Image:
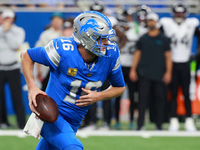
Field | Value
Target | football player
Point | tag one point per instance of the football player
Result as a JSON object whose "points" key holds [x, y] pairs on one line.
{"points": [[121, 40], [99, 6], [79, 65], [133, 33], [181, 31], [141, 13]]}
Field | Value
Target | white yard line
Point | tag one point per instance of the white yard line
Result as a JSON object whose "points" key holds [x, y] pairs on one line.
{"points": [[144, 134], [85, 134]]}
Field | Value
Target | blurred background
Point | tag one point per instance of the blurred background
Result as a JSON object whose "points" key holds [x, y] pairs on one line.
{"points": [[37, 17]]}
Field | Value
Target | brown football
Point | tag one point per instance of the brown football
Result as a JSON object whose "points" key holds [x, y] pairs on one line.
{"points": [[47, 109]]}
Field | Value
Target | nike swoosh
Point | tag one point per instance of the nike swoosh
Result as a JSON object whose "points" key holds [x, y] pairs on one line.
{"points": [[57, 46]]}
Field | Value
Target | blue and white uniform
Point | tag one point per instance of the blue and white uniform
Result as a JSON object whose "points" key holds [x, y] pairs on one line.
{"points": [[68, 74]]}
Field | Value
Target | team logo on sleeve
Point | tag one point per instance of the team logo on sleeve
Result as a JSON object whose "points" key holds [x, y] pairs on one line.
{"points": [[90, 24], [72, 71]]}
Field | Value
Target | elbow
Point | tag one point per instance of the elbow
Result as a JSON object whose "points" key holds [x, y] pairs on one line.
{"points": [[25, 57], [22, 55], [122, 90]]}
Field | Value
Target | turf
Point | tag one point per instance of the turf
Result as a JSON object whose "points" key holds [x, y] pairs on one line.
{"points": [[111, 143], [138, 143]]}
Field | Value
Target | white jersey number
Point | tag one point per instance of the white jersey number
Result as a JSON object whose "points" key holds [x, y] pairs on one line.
{"points": [[67, 46], [184, 40], [76, 84]]}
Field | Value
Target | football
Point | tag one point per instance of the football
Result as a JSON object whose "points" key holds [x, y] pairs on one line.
{"points": [[47, 109]]}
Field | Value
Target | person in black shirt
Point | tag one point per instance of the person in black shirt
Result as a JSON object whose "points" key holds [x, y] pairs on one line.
{"points": [[152, 65]]}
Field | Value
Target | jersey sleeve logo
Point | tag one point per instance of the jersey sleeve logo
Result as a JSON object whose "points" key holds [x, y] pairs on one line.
{"points": [[57, 45], [52, 53], [72, 71]]}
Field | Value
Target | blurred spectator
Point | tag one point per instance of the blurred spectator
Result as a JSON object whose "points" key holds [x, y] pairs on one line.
{"points": [[121, 38], [4, 121], [68, 28], [152, 59], [181, 31], [133, 34], [141, 14], [90, 120], [106, 109], [1, 19], [54, 31], [99, 6], [30, 6], [11, 38]]}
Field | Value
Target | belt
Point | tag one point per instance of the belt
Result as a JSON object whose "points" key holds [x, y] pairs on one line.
{"points": [[11, 64]]}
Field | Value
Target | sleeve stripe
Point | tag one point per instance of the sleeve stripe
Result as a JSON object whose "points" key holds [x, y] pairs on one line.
{"points": [[52, 53], [118, 63]]}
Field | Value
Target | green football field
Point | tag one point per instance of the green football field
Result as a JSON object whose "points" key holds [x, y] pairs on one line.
{"points": [[111, 143], [123, 139]]}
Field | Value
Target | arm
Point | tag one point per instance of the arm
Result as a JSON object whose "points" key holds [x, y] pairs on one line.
{"points": [[27, 67], [39, 55], [116, 80], [168, 73], [122, 37], [93, 96], [197, 33], [136, 58]]}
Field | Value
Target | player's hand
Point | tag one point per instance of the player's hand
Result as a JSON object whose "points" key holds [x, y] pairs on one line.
{"points": [[88, 99], [133, 75], [167, 78], [32, 95]]}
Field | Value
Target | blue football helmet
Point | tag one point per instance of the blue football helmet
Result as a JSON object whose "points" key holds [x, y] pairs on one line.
{"points": [[91, 26]]}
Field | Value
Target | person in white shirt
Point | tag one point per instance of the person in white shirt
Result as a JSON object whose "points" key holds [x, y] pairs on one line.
{"points": [[181, 31], [11, 38]]}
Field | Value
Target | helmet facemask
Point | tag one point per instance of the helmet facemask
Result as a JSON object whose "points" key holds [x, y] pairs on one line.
{"points": [[98, 42]]}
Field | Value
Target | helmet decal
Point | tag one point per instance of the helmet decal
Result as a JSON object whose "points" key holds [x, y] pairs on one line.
{"points": [[90, 28], [90, 24]]}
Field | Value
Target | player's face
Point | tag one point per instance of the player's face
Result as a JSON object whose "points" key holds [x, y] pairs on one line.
{"points": [[151, 24], [8, 19], [57, 22], [179, 15], [129, 18], [103, 41]]}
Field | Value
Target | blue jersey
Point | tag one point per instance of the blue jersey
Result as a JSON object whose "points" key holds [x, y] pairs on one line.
{"points": [[69, 73]]}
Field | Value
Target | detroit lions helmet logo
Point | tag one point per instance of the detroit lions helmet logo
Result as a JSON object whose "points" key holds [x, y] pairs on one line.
{"points": [[90, 24]]}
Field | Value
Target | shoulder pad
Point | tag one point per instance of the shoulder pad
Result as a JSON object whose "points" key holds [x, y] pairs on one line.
{"points": [[193, 21]]}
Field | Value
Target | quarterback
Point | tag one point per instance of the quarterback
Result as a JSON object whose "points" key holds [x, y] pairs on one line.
{"points": [[78, 65]]}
